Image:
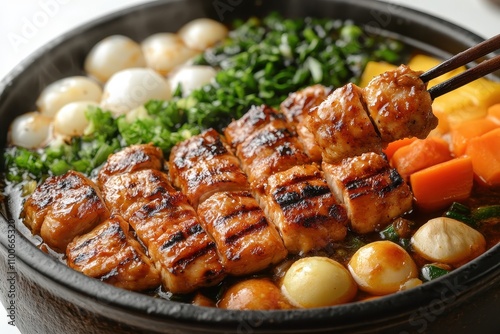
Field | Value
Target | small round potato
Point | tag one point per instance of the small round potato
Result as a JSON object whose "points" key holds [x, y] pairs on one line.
{"points": [[165, 51], [113, 54], [31, 130], [254, 294], [67, 90], [202, 33], [70, 120], [382, 267], [131, 88], [318, 281], [448, 241], [192, 77]]}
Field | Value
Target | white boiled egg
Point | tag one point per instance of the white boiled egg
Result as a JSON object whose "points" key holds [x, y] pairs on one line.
{"points": [[63, 91], [192, 77], [131, 88], [70, 120], [31, 130], [202, 33]]}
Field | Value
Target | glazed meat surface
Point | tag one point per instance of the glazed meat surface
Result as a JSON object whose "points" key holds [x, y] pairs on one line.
{"points": [[177, 243], [372, 191], [126, 193], [301, 205], [399, 105], [203, 165], [296, 107], [111, 255], [130, 159], [257, 117], [274, 147], [342, 127], [245, 241], [63, 207]]}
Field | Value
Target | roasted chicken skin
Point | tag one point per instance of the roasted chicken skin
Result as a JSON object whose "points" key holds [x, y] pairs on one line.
{"points": [[399, 105], [297, 106], [306, 213], [203, 165], [130, 159], [177, 243], [271, 148], [254, 119], [373, 192], [110, 254], [342, 127], [63, 207], [245, 241]]}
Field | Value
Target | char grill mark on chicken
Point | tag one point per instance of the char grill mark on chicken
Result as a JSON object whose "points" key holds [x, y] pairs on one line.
{"points": [[372, 191], [245, 241], [165, 223], [64, 207], [203, 165], [268, 148], [110, 254], [301, 205], [296, 107], [131, 159]]}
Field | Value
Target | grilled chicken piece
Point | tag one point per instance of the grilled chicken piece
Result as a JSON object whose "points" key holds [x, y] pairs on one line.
{"points": [[63, 207], [297, 106], [342, 127], [399, 105], [301, 205], [130, 159], [111, 255], [203, 165], [126, 193], [272, 148], [245, 241], [177, 243], [372, 192], [253, 120]]}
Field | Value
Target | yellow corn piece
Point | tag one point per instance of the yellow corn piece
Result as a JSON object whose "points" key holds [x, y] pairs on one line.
{"points": [[465, 103], [372, 69]]}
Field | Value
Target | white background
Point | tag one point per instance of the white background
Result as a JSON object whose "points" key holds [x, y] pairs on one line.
{"points": [[26, 25]]}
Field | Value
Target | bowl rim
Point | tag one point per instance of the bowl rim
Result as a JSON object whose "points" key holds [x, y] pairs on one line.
{"points": [[83, 287]]}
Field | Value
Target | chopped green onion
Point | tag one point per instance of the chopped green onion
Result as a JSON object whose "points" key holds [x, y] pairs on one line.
{"points": [[430, 272]]}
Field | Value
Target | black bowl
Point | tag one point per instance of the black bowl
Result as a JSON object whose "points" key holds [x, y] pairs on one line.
{"points": [[42, 295]]}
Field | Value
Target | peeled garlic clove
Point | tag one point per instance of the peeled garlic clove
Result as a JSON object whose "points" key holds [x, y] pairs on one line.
{"points": [[448, 241], [202, 33], [30, 130], [111, 55], [67, 90], [165, 51], [318, 281], [382, 267]]}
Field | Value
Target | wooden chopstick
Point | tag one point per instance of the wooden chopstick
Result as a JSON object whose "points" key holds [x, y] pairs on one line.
{"points": [[463, 58], [465, 77]]}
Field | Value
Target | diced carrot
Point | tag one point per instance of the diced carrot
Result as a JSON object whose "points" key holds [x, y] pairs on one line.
{"points": [[494, 113], [485, 155], [420, 154], [462, 133], [396, 145], [438, 186]]}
